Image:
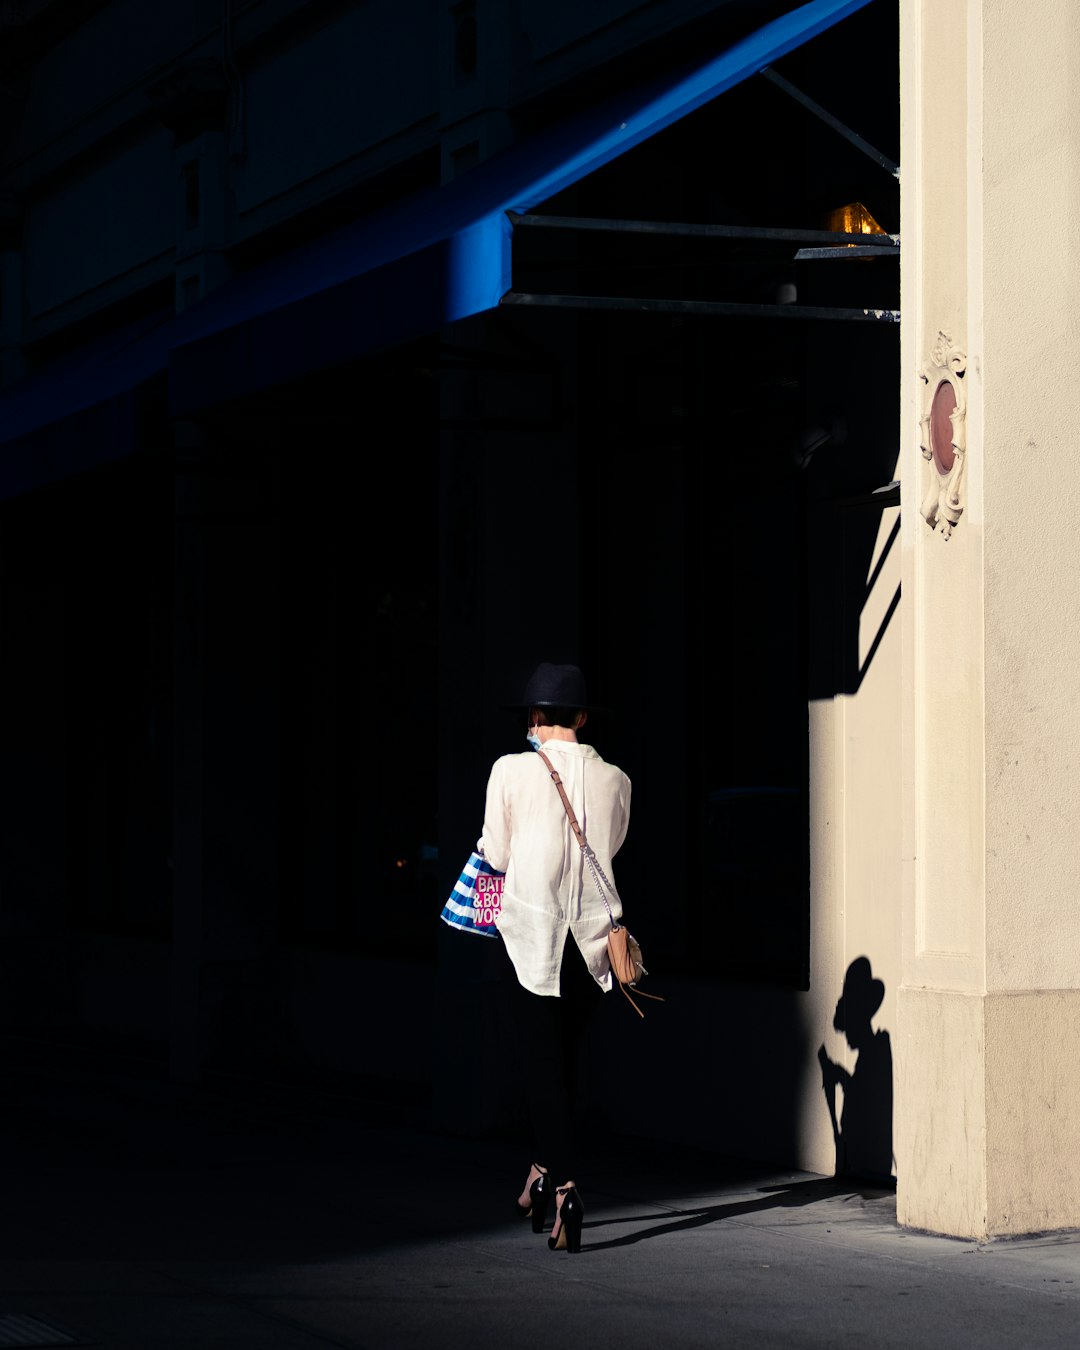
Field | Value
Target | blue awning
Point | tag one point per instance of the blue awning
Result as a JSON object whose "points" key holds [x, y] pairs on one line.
{"points": [[436, 257]]}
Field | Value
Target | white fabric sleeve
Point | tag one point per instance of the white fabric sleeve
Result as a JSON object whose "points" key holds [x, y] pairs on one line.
{"points": [[494, 841]]}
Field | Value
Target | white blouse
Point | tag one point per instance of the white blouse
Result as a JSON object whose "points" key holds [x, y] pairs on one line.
{"points": [[548, 890]]}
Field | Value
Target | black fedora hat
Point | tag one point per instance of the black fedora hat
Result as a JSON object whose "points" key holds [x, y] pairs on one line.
{"points": [[556, 686]]}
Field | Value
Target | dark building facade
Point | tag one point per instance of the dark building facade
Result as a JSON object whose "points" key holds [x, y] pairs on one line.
{"points": [[292, 501]]}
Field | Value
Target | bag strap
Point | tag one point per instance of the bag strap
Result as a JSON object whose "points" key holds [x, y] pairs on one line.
{"points": [[597, 872], [579, 834]]}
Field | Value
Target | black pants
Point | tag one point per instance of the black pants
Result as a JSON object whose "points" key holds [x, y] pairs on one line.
{"points": [[549, 1034]]}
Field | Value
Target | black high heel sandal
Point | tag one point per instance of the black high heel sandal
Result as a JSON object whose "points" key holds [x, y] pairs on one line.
{"points": [[539, 1199], [568, 1220]]}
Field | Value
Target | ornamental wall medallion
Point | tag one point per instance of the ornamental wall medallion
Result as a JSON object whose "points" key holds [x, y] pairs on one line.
{"points": [[943, 435]]}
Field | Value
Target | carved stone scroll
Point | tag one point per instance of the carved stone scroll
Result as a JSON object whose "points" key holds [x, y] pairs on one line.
{"points": [[943, 435]]}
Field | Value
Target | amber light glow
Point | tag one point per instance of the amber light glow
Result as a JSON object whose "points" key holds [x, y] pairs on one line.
{"points": [[853, 219]]}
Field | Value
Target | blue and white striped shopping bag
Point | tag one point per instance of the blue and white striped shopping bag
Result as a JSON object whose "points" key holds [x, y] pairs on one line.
{"points": [[476, 899]]}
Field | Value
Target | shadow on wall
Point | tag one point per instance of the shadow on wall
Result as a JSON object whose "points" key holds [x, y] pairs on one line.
{"points": [[862, 1130]]}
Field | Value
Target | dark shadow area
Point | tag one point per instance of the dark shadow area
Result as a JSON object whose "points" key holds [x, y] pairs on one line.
{"points": [[797, 1194], [862, 1129], [258, 666], [256, 1175]]}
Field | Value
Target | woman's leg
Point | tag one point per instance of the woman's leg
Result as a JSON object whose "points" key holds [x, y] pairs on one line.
{"points": [[550, 1034], [580, 998], [539, 1024]]}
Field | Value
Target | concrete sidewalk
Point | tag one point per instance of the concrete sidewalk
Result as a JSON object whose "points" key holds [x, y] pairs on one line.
{"points": [[140, 1217]]}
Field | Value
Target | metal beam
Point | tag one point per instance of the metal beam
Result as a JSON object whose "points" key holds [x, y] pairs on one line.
{"points": [[529, 220], [848, 251], [698, 307], [889, 495], [831, 121]]}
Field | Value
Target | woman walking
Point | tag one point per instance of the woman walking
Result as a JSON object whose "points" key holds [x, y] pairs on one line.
{"points": [[553, 923]]}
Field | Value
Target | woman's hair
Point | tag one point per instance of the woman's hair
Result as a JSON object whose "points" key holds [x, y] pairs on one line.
{"points": [[555, 717]]}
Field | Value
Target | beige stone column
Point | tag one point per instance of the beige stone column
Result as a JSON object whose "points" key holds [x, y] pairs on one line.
{"points": [[988, 1050]]}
